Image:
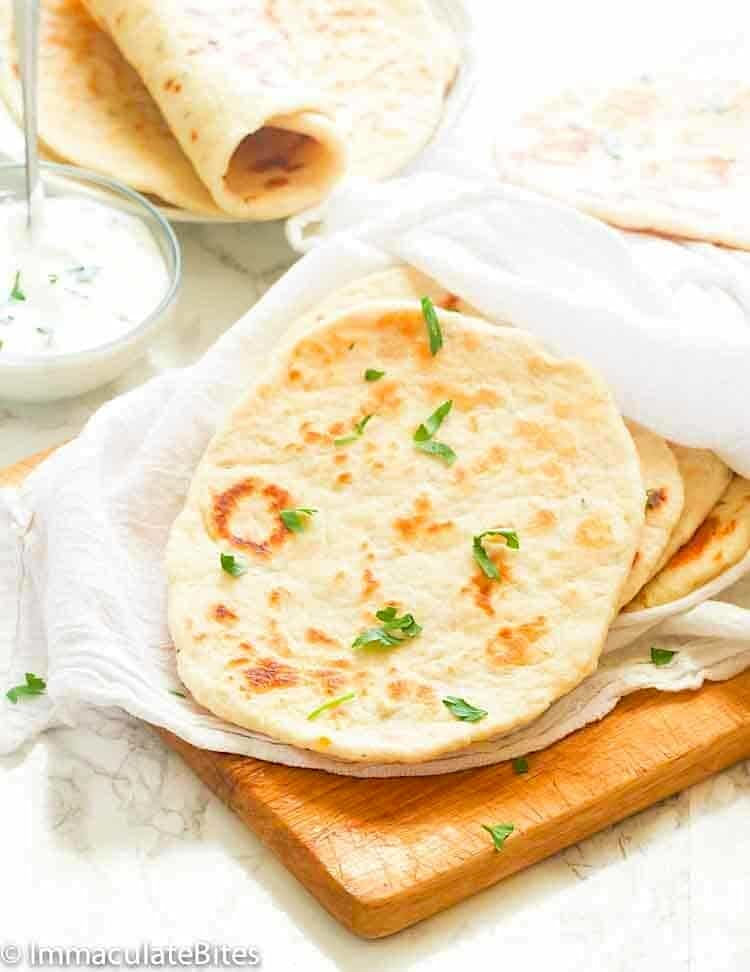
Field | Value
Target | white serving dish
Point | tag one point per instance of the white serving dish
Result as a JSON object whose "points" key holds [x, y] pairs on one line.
{"points": [[456, 14], [44, 377]]}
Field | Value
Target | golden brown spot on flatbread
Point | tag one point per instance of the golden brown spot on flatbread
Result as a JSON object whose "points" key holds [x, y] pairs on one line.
{"points": [[541, 367], [193, 136], [370, 584], [513, 645], [276, 596], [594, 531], [309, 434], [224, 505], [541, 522], [553, 470], [636, 557], [426, 694], [564, 410], [223, 614], [398, 689], [276, 639], [270, 674], [700, 540], [317, 637], [552, 438], [656, 498], [419, 526], [384, 399], [330, 681], [344, 479], [294, 374], [495, 457], [466, 401], [238, 662], [481, 588], [336, 429], [277, 182], [341, 458]]}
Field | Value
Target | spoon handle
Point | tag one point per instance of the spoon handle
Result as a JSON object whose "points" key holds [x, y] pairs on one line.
{"points": [[27, 34]]}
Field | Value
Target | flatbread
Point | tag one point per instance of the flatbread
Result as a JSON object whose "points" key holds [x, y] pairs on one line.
{"points": [[541, 448], [669, 155], [396, 283], [664, 498], [250, 110], [720, 542]]}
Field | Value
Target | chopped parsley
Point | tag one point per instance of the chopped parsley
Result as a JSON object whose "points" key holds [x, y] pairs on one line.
{"points": [[423, 436], [84, 274], [463, 710], [434, 333], [359, 429], [180, 695], [233, 564], [430, 426], [372, 374], [661, 656], [499, 833], [296, 520], [439, 449], [392, 632], [489, 568], [32, 686], [520, 765], [332, 704], [53, 278], [17, 292]]}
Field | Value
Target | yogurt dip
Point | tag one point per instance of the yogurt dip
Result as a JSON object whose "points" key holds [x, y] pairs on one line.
{"points": [[88, 274]]}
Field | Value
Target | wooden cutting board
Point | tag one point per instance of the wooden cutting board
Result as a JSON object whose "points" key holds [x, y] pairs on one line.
{"points": [[383, 854]]}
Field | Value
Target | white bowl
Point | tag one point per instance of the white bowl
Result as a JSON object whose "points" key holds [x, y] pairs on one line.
{"points": [[46, 377]]}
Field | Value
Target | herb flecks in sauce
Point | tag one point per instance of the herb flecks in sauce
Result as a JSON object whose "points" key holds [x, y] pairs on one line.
{"points": [[233, 564]]}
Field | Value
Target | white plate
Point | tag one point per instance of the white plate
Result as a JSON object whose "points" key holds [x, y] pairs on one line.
{"points": [[454, 13]]}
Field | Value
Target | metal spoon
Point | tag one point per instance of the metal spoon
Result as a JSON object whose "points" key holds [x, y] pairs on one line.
{"points": [[26, 16]]}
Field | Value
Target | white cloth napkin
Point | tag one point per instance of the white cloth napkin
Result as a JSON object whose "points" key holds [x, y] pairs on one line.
{"points": [[82, 541]]}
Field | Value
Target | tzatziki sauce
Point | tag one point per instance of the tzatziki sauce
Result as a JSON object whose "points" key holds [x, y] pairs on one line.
{"points": [[86, 275]]}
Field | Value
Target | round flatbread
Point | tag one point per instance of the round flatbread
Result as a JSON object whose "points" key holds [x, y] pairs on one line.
{"points": [[396, 283], [720, 542], [670, 155], [664, 498], [540, 449]]}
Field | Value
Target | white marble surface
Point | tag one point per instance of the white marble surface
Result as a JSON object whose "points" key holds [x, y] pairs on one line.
{"points": [[109, 839]]}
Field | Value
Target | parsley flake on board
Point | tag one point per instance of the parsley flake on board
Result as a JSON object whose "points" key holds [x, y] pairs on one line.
{"points": [[32, 686], [661, 656], [520, 765], [359, 429], [372, 374], [489, 569], [233, 564], [17, 293], [296, 520], [463, 710], [434, 332], [499, 833], [393, 631], [332, 704]]}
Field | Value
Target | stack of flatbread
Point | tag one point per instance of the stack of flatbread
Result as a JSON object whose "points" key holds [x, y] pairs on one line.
{"points": [[415, 530], [249, 110]]}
